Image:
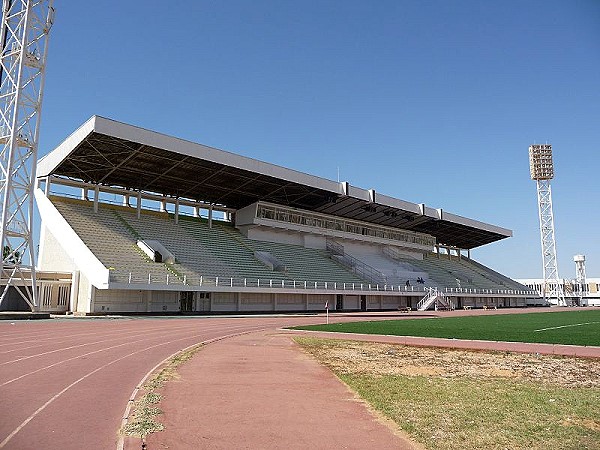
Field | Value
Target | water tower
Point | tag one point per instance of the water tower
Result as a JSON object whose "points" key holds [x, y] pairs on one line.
{"points": [[580, 273], [542, 171]]}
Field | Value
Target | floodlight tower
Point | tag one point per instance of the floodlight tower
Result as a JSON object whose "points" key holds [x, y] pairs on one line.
{"points": [[580, 273], [542, 171], [23, 47]]}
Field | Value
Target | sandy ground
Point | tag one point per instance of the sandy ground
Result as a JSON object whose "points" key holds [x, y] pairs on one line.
{"points": [[386, 359]]}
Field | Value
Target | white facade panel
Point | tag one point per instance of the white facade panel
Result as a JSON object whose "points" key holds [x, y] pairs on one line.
{"points": [[351, 302], [113, 301], [291, 302], [224, 301]]}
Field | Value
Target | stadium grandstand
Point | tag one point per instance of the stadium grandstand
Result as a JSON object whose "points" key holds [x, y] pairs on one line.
{"points": [[145, 222]]}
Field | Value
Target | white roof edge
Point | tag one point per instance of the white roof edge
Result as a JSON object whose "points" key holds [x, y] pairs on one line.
{"points": [[476, 224], [52, 160], [189, 148], [151, 138]]}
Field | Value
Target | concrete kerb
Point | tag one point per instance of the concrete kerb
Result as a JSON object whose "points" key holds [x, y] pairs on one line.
{"points": [[140, 385], [463, 344], [23, 315]]}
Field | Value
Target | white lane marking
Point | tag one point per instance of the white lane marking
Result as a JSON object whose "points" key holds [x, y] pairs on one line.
{"points": [[80, 356], [139, 332], [51, 335], [45, 405], [566, 326], [145, 333], [68, 338]]}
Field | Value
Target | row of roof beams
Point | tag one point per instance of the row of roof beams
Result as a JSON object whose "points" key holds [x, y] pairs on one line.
{"points": [[100, 136]]}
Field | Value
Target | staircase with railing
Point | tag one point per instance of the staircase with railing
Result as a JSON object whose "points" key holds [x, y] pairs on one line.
{"points": [[336, 252], [436, 298]]}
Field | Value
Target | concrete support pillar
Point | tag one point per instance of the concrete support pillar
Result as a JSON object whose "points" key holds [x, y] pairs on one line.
{"points": [[177, 210], [163, 206], [47, 187], [126, 200], [96, 198], [210, 213], [139, 205], [196, 211], [74, 291], [84, 194], [92, 307]]}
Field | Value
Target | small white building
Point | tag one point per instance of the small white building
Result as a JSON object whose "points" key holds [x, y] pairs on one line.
{"points": [[582, 294]]}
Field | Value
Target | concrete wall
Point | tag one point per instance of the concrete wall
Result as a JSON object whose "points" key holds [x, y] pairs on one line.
{"points": [[224, 301], [85, 295], [263, 301], [125, 300], [107, 301], [52, 256], [364, 248], [351, 302], [291, 302], [76, 255], [317, 302], [92, 300], [270, 235], [480, 302]]}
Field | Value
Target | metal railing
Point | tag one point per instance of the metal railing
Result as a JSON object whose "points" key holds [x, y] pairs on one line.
{"points": [[202, 282], [426, 301], [326, 222], [54, 296], [360, 268], [393, 253], [440, 299]]}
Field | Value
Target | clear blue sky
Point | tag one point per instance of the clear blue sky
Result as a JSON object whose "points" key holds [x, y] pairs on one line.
{"points": [[432, 102]]}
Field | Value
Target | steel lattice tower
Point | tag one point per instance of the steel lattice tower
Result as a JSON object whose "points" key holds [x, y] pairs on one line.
{"points": [[542, 171], [23, 48]]}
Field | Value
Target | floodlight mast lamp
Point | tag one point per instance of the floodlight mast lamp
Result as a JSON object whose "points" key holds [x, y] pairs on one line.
{"points": [[23, 48], [542, 171]]}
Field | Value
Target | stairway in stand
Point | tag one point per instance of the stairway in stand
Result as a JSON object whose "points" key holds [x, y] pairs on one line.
{"points": [[436, 298]]}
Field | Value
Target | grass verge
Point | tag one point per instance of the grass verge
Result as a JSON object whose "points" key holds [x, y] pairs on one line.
{"points": [[580, 327], [448, 399], [145, 411]]}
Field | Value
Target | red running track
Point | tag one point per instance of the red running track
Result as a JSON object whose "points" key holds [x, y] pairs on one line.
{"points": [[65, 383]]}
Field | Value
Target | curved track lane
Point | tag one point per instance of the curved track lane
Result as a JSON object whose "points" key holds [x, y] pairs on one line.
{"points": [[64, 384]]}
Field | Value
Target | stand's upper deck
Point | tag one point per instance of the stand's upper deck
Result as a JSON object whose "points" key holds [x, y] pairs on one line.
{"points": [[106, 152]]}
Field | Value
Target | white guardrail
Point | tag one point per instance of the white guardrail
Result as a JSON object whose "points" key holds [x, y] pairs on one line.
{"points": [[207, 282]]}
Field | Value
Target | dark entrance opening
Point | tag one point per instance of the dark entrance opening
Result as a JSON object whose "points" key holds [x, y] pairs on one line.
{"points": [[186, 301], [339, 302], [363, 302]]}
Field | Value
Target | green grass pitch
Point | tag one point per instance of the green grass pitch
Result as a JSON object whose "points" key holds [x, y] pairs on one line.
{"points": [[565, 327]]}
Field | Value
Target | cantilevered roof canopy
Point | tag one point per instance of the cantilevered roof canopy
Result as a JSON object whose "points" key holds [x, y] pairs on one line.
{"points": [[111, 153]]}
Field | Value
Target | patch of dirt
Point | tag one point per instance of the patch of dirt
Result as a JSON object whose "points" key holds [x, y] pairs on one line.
{"points": [[593, 425], [387, 359]]}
